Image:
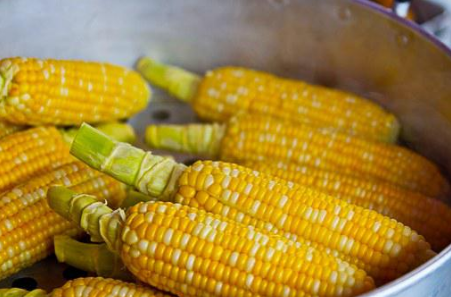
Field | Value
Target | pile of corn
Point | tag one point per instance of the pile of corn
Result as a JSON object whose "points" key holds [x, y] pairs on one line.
{"points": [[43, 102], [305, 193]]}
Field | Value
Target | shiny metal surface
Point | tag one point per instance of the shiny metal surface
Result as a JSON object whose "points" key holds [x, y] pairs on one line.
{"points": [[401, 7], [340, 43]]}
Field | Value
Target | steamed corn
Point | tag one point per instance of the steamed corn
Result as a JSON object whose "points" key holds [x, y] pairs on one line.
{"points": [[224, 92], [383, 247], [189, 252], [27, 224], [429, 217], [89, 287], [58, 92], [264, 139]]}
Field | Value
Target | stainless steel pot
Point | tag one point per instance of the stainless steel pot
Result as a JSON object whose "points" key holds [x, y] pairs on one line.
{"points": [[345, 44]]}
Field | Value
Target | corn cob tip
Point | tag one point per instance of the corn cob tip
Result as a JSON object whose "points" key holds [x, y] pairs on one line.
{"points": [[178, 82], [204, 139], [126, 163], [15, 292]]}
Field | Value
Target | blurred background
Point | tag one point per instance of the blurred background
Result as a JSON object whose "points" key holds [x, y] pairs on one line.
{"points": [[432, 15]]}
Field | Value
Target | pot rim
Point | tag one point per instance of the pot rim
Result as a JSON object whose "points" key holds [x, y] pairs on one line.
{"points": [[444, 256], [410, 24]]}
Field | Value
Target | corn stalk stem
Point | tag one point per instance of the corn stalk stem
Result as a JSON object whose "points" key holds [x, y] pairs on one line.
{"points": [[203, 139], [98, 220], [118, 131], [152, 175], [178, 82], [96, 258]]}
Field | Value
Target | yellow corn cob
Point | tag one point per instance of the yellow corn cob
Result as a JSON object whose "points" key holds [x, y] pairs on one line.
{"points": [[224, 92], [29, 153], [89, 287], [190, 252], [381, 246], [16, 292], [261, 138], [371, 241], [27, 224], [429, 217], [7, 129], [35, 92]]}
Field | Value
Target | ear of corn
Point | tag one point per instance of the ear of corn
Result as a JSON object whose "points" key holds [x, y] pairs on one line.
{"points": [[36, 92], [429, 217], [27, 224], [224, 92], [29, 153], [383, 247], [89, 287], [173, 247], [96, 258], [265, 139], [15, 292], [97, 286]]}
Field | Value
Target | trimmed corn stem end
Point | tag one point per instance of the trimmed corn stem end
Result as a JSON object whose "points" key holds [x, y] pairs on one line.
{"points": [[79, 255], [100, 221], [92, 146], [118, 131], [96, 258], [152, 175], [178, 82], [204, 139]]}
